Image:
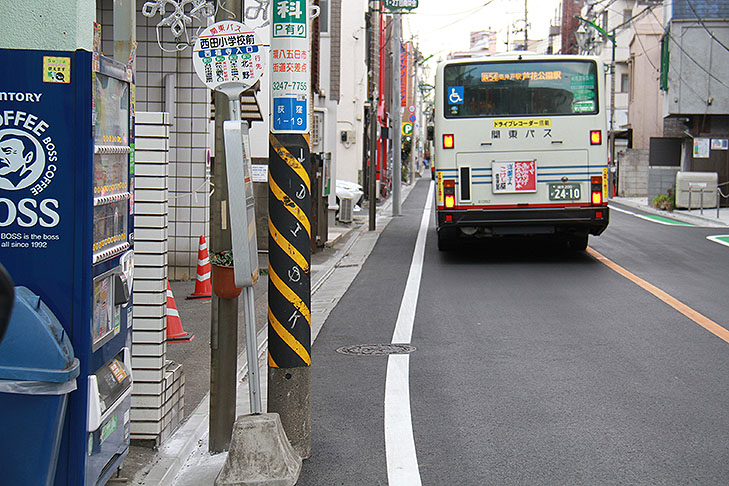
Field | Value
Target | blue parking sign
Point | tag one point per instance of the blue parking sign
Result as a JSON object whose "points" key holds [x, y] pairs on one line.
{"points": [[290, 115]]}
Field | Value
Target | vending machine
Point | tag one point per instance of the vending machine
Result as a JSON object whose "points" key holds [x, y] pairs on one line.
{"points": [[66, 231]]}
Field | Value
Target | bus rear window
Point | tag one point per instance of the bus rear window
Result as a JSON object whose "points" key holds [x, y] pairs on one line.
{"points": [[520, 88]]}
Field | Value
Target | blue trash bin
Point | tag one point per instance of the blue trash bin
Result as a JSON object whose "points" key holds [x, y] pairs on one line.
{"points": [[38, 370]]}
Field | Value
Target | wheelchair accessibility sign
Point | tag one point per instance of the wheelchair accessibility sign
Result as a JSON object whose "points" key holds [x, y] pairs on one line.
{"points": [[455, 95]]}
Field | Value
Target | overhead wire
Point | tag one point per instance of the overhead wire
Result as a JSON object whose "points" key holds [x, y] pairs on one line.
{"points": [[642, 47], [675, 74], [470, 12], [678, 44], [701, 21]]}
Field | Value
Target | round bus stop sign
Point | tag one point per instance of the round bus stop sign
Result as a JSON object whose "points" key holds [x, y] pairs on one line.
{"points": [[229, 52]]}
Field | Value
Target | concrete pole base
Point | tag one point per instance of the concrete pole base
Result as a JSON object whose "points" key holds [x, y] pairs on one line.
{"points": [[260, 454], [289, 395]]}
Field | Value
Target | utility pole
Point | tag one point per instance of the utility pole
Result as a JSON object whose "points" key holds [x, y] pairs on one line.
{"points": [[374, 105], [526, 27], [396, 117], [289, 209], [224, 315], [413, 134], [611, 38]]}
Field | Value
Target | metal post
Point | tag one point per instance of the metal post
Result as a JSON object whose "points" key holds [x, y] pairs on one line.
{"points": [[396, 117], [702, 201], [413, 134], [526, 27], [612, 101], [691, 191], [254, 382]]}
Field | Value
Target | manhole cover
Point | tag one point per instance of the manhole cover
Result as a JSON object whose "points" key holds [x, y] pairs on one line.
{"points": [[376, 349]]}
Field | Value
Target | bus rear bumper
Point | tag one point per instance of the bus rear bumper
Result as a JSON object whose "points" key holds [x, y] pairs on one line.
{"points": [[496, 222]]}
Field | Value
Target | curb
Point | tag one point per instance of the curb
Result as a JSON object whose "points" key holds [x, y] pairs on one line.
{"points": [[679, 215]]}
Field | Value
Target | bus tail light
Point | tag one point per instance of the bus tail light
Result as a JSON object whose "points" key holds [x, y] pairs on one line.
{"points": [[449, 141], [596, 190], [595, 137], [449, 193]]}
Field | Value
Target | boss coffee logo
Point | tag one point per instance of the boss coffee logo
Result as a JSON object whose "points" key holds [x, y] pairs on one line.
{"points": [[28, 159]]}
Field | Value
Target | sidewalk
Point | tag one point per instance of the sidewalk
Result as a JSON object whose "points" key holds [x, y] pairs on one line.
{"points": [[184, 459], [694, 216]]}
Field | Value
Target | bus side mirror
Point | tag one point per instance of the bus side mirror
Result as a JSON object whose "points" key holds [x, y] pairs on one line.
{"points": [[431, 133], [7, 297]]}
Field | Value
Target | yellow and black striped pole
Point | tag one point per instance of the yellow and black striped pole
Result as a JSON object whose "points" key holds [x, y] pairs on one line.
{"points": [[289, 286]]}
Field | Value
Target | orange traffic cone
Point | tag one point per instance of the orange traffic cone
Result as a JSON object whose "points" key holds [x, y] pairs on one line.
{"points": [[175, 332], [203, 289]]}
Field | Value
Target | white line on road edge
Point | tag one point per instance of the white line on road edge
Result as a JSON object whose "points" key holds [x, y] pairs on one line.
{"points": [[647, 218], [402, 461], [721, 239]]}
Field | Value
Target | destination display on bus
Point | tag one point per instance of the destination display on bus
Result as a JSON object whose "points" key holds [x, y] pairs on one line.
{"points": [[520, 88]]}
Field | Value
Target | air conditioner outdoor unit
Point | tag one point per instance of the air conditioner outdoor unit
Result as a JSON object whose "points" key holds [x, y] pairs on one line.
{"points": [[345, 210]]}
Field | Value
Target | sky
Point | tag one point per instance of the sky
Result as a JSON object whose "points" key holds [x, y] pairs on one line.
{"points": [[442, 26]]}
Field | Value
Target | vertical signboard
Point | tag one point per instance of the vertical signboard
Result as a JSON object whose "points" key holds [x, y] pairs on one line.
{"points": [[404, 75], [290, 67]]}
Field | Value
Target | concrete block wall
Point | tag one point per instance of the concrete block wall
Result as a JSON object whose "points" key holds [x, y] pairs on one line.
{"points": [[660, 180], [165, 81], [633, 175]]}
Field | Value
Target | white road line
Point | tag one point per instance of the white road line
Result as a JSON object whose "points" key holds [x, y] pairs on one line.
{"points": [[402, 460], [406, 316], [716, 239], [647, 218]]}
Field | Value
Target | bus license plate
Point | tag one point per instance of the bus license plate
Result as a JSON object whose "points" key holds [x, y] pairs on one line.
{"points": [[564, 192]]}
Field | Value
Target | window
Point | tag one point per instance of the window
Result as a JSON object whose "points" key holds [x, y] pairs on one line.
{"points": [[605, 20], [324, 16], [520, 88], [624, 83], [627, 15]]}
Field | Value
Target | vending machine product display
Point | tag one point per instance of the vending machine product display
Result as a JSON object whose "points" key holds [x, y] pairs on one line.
{"points": [[66, 232]]}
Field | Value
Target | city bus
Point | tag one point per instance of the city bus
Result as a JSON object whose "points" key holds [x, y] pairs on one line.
{"points": [[521, 148]]}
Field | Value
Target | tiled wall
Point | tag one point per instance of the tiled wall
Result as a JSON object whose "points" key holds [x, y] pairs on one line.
{"points": [[187, 101], [150, 404]]}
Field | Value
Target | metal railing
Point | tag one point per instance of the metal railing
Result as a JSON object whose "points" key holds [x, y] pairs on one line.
{"points": [[701, 190], [720, 195]]}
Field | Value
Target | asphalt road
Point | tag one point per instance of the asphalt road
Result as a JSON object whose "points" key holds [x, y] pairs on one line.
{"points": [[533, 365]]}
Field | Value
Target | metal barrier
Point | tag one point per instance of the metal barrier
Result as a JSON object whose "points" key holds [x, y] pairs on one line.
{"points": [[719, 195], [701, 189]]}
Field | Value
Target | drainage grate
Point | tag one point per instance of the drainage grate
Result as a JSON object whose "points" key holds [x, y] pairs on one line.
{"points": [[376, 349]]}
